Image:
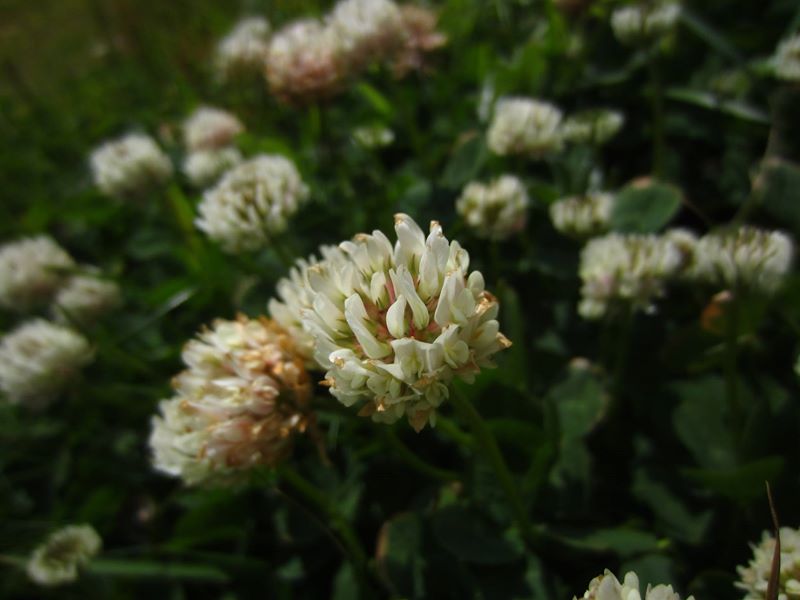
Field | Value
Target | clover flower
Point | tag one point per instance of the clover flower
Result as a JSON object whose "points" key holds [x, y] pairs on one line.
{"points": [[58, 559], [593, 126], [748, 256], [367, 30], [244, 49], [786, 61], [238, 404], [583, 216], [84, 298], [204, 167], [393, 325], [251, 203], [637, 23], [373, 136], [631, 268], [497, 210], [420, 38], [306, 62], [31, 270], [607, 587], [209, 128], [754, 577], [525, 126], [129, 166], [38, 359]]}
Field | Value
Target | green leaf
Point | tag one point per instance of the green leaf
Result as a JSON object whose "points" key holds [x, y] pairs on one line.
{"points": [[645, 208], [742, 484], [778, 188], [375, 99], [465, 163], [400, 559], [471, 539]]}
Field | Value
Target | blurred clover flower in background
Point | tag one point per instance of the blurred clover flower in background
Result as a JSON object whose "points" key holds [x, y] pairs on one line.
{"points": [[608, 587], [496, 210], [244, 49], [643, 22], [129, 166], [237, 405], [31, 271], [596, 126], [208, 128], [65, 551], [525, 126], [85, 297], [786, 61], [583, 216]]}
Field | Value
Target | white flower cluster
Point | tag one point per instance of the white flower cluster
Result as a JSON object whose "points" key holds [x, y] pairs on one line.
{"points": [[129, 166], [244, 49], [393, 325], [631, 268], [58, 559], [497, 210], [367, 30], [595, 126], [525, 126], [373, 136], [37, 359], [747, 256], [786, 61], [85, 297], [421, 38], [31, 270], [607, 587], [583, 216], [754, 577], [208, 136], [637, 23], [237, 405], [251, 203]]}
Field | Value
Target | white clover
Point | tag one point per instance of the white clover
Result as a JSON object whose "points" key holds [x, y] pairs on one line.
{"points": [[636, 23], [242, 397], [306, 62], [525, 126], [755, 258], [367, 30], [630, 268], [66, 550], [593, 126], [244, 49], [754, 577], [373, 136], [607, 587], [497, 210], [84, 298], [420, 37], [38, 359], [31, 270], [786, 61], [583, 216], [204, 167], [209, 128], [129, 166], [252, 203], [393, 325]]}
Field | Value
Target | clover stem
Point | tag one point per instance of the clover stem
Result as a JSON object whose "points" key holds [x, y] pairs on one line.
{"points": [[657, 100], [414, 461]]}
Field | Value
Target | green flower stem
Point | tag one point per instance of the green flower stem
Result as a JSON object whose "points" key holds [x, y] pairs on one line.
{"points": [[337, 521], [278, 244], [414, 461], [454, 432], [731, 361], [657, 101], [184, 218], [488, 445]]}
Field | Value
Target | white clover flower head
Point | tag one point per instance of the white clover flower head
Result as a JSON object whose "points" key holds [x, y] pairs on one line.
{"points": [[525, 126], [608, 587], [393, 325], [420, 38], [85, 297], [786, 61], [204, 167], [367, 30], [497, 210], [129, 166], [637, 23], [595, 127], [584, 216], [38, 359], [244, 49], [31, 270], [306, 62], [237, 405], [252, 203], [58, 559], [754, 577], [630, 268], [209, 128], [373, 136], [748, 256]]}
